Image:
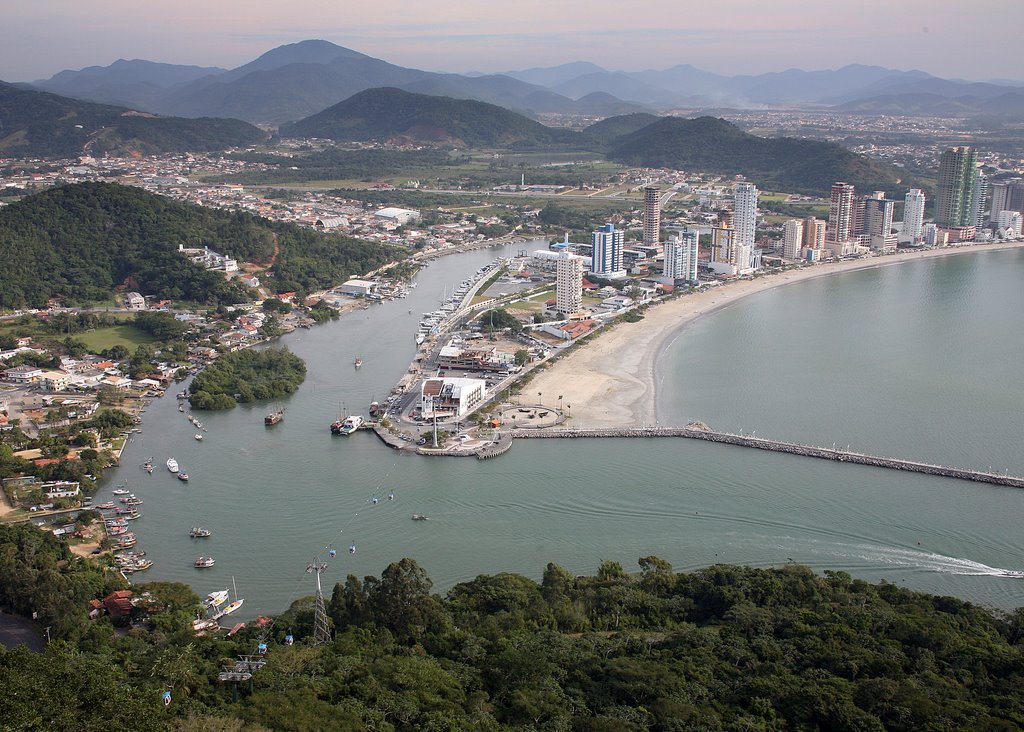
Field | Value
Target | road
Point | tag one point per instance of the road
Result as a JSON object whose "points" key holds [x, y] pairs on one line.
{"points": [[16, 631]]}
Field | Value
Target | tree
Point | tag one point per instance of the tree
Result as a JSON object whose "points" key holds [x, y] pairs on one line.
{"points": [[522, 357]]}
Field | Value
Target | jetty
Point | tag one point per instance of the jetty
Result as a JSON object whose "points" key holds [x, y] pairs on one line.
{"points": [[700, 431]]}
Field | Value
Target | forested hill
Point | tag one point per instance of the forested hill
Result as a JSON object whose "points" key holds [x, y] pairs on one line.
{"points": [[722, 648], [395, 115], [773, 163], [82, 241], [40, 123]]}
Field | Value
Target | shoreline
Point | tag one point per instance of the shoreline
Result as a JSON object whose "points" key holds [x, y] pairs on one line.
{"points": [[613, 381]]}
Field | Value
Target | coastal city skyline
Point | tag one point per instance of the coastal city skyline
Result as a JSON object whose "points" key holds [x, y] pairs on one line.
{"points": [[458, 37]]}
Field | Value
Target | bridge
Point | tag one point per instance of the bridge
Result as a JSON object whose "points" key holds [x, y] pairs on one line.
{"points": [[700, 431]]}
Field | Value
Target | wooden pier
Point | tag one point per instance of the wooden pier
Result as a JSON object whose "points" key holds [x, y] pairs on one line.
{"points": [[698, 431]]}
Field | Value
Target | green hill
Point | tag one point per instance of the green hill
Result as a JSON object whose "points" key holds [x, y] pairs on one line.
{"points": [[610, 128], [390, 114], [40, 123], [82, 241], [774, 163]]}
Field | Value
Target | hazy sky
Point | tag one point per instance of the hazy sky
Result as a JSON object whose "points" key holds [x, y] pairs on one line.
{"points": [[953, 38]]}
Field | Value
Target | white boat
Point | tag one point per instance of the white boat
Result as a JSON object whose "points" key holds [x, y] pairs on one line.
{"points": [[234, 605], [172, 465], [217, 598], [1019, 574], [204, 562], [350, 425], [199, 436], [120, 492]]}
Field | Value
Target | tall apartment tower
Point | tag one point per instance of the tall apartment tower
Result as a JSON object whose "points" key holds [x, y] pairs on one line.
{"points": [[979, 201], [814, 233], [913, 214], [958, 177], [606, 258], [569, 283], [745, 213], [652, 216], [1006, 196], [840, 213], [876, 216], [681, 251], [792, 238]]}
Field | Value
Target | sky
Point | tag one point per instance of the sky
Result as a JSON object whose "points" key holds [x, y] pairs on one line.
{"points": [[951, 38]]}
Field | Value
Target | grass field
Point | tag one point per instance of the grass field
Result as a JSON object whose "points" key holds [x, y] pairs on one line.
{"points": [[128, 336]]}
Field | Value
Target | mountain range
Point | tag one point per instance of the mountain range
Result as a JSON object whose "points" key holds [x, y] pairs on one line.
{"points": [[300, 79], [40, 123]]}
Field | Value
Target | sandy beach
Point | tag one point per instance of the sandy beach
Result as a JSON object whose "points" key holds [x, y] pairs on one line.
{"points": [[610, 382]]}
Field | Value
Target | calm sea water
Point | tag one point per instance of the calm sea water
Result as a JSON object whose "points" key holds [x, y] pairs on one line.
{"points": [[917, 360]]}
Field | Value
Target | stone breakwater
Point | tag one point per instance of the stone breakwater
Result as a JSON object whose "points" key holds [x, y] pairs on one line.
{"points": [[760, 443]]}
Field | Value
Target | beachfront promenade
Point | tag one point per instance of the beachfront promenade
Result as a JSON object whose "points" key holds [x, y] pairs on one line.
{"points": [[696, 431]]}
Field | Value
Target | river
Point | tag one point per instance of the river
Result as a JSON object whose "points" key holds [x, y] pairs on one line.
{"points": [[916, 360]]}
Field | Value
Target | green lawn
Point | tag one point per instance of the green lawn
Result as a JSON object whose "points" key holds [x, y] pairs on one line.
{"points": [[128, 336]]}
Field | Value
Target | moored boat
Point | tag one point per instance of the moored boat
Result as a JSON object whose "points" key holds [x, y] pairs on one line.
{"points": [[198, 532], [172, 465], [348, 425], [358, 362], [199, 436], [203, 562], [183, 476], [419, 517], [273, 417]]}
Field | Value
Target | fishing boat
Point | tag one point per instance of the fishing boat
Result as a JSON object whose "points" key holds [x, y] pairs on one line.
{"points": [[203, 562], [199, 436], [216, 598], [419, 517], [183, 476], [274, 417], [347, 426], [198, 532], [172, 465]]}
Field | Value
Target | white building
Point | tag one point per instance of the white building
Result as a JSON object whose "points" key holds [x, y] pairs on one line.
{"points": [[745, 214], [569, 283], [792, 238], [913, 214], [450, 397], [357, 288], [1009, 224], [399, 216], [606, 257], [134, 301], [681, 251]]}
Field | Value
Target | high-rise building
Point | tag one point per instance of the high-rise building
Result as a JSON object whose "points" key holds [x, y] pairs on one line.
{"points": [[814, 233], [1006, 196], [606, 257], [876, 216], [792, 238], [681, 252], [958, 176], [745, 213], [913, 214], [652, 216], [979, 201], [840, 214], [569, 283]]}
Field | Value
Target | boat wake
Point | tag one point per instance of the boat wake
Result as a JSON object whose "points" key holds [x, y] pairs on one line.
{"points": [[911, 559]]}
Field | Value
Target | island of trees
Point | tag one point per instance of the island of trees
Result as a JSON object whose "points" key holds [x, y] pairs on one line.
{"points": [[722, 648], [245, 376]]}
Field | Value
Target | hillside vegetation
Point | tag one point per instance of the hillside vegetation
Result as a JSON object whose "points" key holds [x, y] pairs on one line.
{"points": [[723, 648], [394, 115], [40, 123], [774, 163], [82, 241]]}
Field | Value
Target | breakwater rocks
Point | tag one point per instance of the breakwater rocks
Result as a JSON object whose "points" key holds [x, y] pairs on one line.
{"points": [[701, 432]]}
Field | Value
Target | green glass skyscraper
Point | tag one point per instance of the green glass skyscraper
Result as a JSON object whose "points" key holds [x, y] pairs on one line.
{"points": [[958, 177]]}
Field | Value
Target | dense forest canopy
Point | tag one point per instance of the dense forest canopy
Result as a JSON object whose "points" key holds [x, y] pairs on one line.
{"points": [[82, 241], [722, 648], [250, 374]]}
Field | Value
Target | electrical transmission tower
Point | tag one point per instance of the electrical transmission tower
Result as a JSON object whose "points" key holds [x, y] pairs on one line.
{"points": [[321, 632]]}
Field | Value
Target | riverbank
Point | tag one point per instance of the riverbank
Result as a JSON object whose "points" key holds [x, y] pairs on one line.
{"points": [[611, 382]]}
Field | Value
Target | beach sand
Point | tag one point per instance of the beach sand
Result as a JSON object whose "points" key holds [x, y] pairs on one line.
{"points": [[610, 382]]}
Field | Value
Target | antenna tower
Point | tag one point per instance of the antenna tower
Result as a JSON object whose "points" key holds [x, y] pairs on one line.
{"points": [[321, 631]]}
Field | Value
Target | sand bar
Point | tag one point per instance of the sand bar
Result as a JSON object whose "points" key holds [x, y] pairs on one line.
{"points": [[610, 382]]}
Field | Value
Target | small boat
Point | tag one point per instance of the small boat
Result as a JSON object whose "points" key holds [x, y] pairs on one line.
{"points": [[172, 465], [274, 417], [204, 562], [199, 436], [419, 517], [1019, 574], [358, 362], [375, 409], [181, 407], [201, 625], [183, 476], [198, 532], [106, 506], [120, 492], [149, 468], [198, 424], [347, 426], [217, 598]]}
